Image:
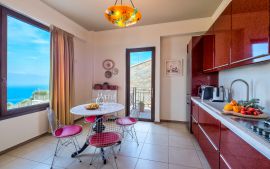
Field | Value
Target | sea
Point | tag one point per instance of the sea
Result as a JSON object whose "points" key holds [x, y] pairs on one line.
{"points": [[16, 94]]}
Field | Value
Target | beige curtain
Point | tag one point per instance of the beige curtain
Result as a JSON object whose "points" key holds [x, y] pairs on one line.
{"points": [[61, 79]]}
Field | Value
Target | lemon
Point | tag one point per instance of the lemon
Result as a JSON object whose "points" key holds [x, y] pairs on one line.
{"points": [[228, 107]]}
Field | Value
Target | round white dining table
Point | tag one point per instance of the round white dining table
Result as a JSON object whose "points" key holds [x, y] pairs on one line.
{"points": [[104, 109]]}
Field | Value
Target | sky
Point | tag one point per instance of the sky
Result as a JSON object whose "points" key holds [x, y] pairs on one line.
{"points": [[28, 51], [138, 57]]}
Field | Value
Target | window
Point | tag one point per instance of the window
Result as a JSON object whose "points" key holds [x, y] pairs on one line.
{"points": [[25, 65]]}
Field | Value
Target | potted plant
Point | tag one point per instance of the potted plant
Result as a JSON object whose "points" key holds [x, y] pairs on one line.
{"points": [[141, 106]]}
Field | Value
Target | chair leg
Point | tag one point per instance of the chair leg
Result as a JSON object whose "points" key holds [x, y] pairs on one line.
{"points": [[55, 152], [91, 162], [115, 161], [135, 134], [76, 148]]}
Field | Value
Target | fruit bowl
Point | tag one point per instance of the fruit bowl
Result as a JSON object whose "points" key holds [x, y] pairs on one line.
{"points": [[92, 106]]}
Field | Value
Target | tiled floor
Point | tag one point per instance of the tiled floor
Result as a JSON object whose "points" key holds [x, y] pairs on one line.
{"points": [[161, 146]]}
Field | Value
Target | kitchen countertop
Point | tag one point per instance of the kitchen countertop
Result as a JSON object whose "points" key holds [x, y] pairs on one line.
{"points": [[215, 109]]}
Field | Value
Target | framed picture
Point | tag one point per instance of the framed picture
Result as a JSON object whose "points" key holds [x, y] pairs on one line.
{"points": [[173, 67]]}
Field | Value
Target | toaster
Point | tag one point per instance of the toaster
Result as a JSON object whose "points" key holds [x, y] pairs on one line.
{"points": [[206, 92], [218, 94]]}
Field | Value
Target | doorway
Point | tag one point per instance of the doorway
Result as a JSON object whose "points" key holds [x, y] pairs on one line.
{"points": [[140, 83]]}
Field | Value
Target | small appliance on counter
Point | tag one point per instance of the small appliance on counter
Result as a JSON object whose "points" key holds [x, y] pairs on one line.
{"points": [[206, 92], [218, 94]]}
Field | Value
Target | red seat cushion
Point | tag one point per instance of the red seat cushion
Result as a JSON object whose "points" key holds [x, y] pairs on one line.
{"points": [[105, 139], [67, 131], [90, 119], [125, 121]]}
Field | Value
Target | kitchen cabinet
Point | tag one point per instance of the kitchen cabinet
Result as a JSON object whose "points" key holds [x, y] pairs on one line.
{"points": [[195, 128], [222, 40], [211, 126], [223, 163], [210, 152], [222, 147], [250, 31], [238, 154], [195, 111], [208, 52]]}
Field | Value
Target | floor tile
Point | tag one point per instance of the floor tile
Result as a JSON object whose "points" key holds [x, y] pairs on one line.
{"points": [[146, 164], [182, 142], [173, 166], [161, 146], [203, 159], [158, 139], [155, 152], [130, 149], [20, 164], [159, 129], [185, 157], [5, 159]]}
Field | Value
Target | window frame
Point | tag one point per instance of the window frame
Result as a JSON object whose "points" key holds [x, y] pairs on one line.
{"points": [[4, 113]]}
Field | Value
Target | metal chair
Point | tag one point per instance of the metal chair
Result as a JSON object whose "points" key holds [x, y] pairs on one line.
{"points": [[127, 125], [91, 121], [106, 135], [66, 134]]}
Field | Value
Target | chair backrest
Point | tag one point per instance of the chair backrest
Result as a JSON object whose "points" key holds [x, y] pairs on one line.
{"points": [[51, 118]]}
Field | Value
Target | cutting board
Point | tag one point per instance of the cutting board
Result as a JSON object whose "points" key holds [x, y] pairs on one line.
{"points": [[261, 116]]}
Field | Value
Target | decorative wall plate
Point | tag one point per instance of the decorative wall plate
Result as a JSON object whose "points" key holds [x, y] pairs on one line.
{"points": [[108, 64], [108, 74], [115, 71]]}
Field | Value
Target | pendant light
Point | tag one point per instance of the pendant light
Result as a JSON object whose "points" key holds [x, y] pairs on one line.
{"points": [[123, 15]]}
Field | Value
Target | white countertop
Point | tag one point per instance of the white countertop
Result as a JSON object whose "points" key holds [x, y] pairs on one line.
{"points": [[215, 108]]}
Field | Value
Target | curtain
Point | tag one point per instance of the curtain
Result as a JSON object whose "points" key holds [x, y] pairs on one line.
{"points": [[61, 77]]}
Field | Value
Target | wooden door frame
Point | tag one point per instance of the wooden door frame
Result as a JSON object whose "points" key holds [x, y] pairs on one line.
{"points": [[128, 51]]}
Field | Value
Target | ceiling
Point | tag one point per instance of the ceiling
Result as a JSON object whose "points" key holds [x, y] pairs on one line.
{"points": [[90, 13]]}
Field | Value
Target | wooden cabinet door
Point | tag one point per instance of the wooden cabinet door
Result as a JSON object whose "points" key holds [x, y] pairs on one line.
{"points": [[250, 29], [223, 163], [195, 128], [210, 125], [239, 154], [222, 33], [208, 50], [210, 152], [195, 111]]}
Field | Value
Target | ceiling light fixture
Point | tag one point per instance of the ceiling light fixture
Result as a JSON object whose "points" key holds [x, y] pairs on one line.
{"points": [[123, 15]]}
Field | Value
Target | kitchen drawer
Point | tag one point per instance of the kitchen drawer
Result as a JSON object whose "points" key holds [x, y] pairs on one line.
{"points": [[210, 152], [239, 154], [195, 111], [210, 125], [223, 163]]}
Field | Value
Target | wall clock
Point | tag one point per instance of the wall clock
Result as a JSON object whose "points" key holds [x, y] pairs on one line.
{"points": [[108, 64]]}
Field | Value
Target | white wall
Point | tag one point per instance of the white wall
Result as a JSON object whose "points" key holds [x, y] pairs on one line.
{"points": [[17, 130], [112, 44], [20, 129], [173, 89], [257, 77]]}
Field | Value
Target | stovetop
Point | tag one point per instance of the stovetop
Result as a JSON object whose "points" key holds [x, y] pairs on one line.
{"points": [[260, 127]]}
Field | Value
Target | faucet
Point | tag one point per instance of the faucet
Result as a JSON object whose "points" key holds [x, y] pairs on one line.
{"points": [[239, 80]]}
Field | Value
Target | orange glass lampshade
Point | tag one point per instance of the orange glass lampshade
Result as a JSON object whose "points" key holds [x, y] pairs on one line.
{"points": [[122, 15]]}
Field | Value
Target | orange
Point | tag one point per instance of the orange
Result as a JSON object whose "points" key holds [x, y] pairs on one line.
{"points": [[233, 103], [228, 107], [237, 109]]}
